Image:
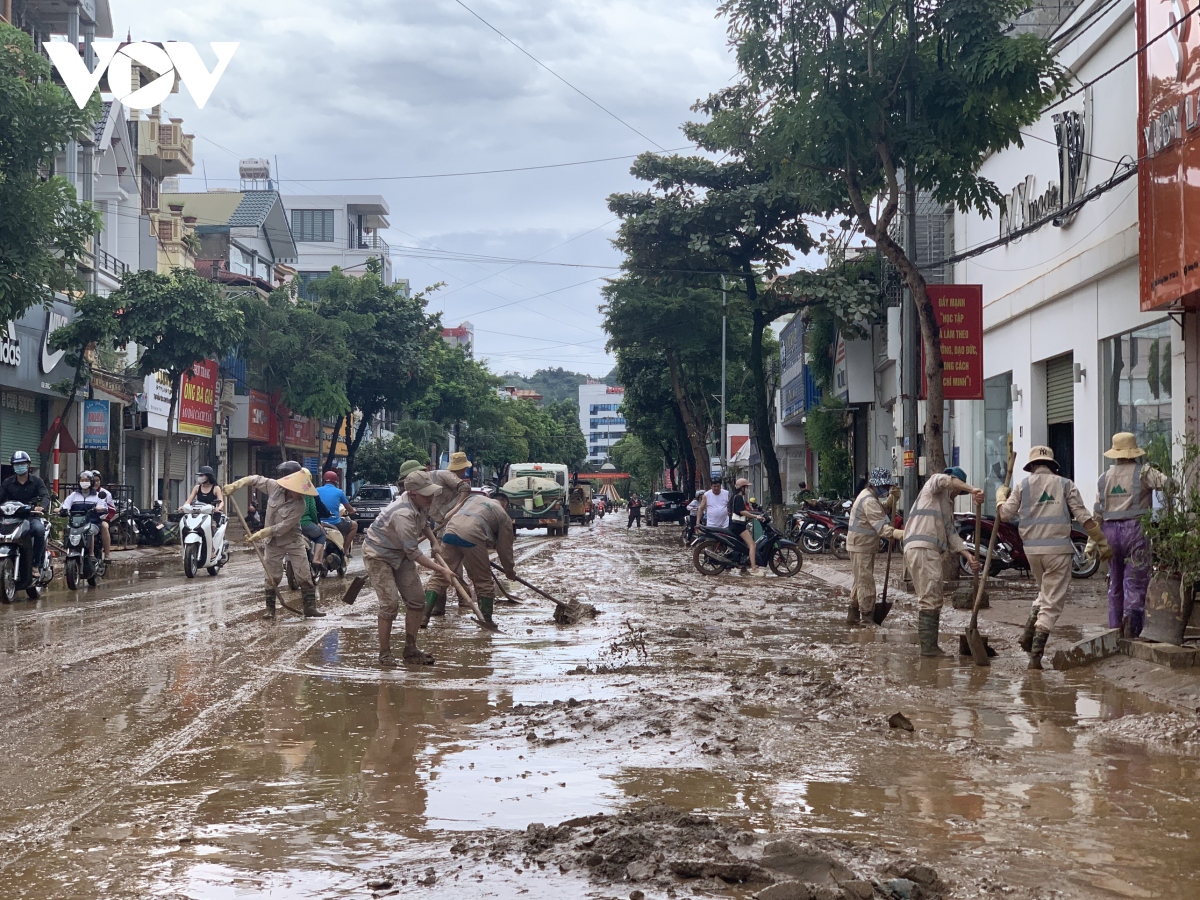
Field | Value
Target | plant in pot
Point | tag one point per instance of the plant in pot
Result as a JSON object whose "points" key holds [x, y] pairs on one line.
{"points": [[1173, 534]]}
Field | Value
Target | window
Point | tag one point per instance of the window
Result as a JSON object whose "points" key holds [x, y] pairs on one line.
{"points": [[997, 426], [1137, 388], [313, 225]]}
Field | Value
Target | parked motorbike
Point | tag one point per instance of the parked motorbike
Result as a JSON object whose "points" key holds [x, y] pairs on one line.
{"points": [[16, 553], [335, 557], [1010, 549], [719, 549], [150, 529], [203, 539], [82, 541]]}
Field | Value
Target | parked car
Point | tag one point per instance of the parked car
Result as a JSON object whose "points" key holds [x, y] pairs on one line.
{"points": [[370, 501], [667, 506]]}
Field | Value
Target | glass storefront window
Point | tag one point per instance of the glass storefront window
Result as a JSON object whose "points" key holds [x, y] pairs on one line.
{"points": [[992, 441], [1137, 389]]}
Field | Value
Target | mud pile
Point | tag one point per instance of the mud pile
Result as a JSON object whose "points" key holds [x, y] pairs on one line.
{"points": [[1174, 732], [663, 850]]}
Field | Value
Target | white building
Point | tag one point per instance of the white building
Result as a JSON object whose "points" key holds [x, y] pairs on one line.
{"points": [[600, 418], [339, 230], [1069, 358]]}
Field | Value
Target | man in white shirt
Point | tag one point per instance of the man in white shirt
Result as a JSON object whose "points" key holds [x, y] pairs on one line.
{"points": [[716, 503]]}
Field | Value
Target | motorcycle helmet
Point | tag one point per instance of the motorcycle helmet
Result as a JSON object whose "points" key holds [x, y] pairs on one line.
{"points": [[207, 472], [331, 477], [288, 467], [20, 462]]}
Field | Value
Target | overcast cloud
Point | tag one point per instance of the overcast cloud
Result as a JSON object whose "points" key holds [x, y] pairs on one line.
{"points": [[418, 87]]}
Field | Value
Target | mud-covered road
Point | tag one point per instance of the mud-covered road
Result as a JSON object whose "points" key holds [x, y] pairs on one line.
{"points": [[702, 736]]}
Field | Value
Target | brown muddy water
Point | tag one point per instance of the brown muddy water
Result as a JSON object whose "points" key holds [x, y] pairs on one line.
{"points": [[163, 742]]}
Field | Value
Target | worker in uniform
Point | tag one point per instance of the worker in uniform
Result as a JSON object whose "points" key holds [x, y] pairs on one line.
{"points": [[391, 553], [455, 483], [1045, 503], [480, 524], [870, 521], [928, 533], [1124, 494], [281, 535]]}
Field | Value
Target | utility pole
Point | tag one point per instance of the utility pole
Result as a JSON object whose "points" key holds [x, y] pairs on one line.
{"points": [[724, 427], [910, 362]]}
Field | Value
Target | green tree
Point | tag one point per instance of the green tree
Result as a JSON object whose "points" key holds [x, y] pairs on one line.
{"points": [[92, 330], [843, 95], [176, 320], [379, 461], [644, 464], [44, 229]]}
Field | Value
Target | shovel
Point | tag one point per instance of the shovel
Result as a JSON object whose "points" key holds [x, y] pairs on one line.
{"points": [[882, 607], [465, 596], [976, 643], [568, 612], [356, 585], [237, 509]]}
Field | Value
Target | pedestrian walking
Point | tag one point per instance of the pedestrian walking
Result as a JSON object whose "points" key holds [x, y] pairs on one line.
{"points": [[391, 553], [870, 521], [714, 503], [281, 537], [1124, 494], [479, 525], [1045, 503], [740, 517], [635, 511], [928, 533]]}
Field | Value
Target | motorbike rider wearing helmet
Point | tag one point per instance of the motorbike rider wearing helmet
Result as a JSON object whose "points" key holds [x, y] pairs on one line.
{"points": [[88, 494], [24, 487], [870, 520], [207, 491], [110, 513], [334, 499]]}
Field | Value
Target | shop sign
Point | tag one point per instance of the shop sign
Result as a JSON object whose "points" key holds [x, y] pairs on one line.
{"points": [[10, 346], [197, 398], [299, 432], [259, 426], [614, 390], [95, 424], [959, 312], [1168, 151], [20, 341], [155, 397]]}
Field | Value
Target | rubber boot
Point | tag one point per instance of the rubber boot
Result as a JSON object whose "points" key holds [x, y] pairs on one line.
{"points": [[1137, 621], [853, 616], [385, 642], [270, 613], [486, 605], [431, 599], [927, 630], [310, 606], [1026, 641], [412, 624], [1038, 648]]}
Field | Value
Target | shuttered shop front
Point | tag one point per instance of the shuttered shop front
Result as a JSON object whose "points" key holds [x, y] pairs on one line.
{"points": [[20, 424], [1060, 390]]}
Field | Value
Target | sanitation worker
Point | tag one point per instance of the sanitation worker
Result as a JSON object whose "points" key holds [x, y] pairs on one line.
{"points": [[455, 482], [1124, 494], [281, 535], [391, 553], [928, 533], [1046, 502], [870, 520], [480, 524]]}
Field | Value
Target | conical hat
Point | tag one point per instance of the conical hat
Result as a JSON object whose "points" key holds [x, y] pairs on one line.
{"points": [[299, 483], [1125, 446]]}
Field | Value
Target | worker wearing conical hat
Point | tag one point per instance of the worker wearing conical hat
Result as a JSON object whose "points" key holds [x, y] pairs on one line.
{"points": [[1046, 502], [1124, 494], [281, 536]]}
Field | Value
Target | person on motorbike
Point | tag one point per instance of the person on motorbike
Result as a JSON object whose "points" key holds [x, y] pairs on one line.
{"points": [[206, 490], [110, 511], [310, 525], [740, 517], [870, 520], [88, 495], [22, 487], [334, 499]]}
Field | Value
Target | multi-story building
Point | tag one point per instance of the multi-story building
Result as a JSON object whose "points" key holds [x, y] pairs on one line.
{"points": [[600, 418], [461, 335], [339, 230]]}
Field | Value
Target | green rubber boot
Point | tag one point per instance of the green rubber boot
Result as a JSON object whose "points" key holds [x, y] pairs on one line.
{"points": [[1026, 641], [1038, 648], [431, 599], [927, 630], [486, 605]]}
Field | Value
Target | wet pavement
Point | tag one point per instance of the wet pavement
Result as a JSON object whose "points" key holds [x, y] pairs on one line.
{"points": [[164, 742]]}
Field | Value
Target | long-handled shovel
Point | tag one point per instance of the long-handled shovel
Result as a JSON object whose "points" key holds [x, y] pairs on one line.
{"points": [[975, 641], [882, 606], [237, 509], [465, 596], [567, 612]]}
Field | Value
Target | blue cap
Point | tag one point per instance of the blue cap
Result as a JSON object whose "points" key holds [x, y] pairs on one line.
{"points": [[957, 472]]}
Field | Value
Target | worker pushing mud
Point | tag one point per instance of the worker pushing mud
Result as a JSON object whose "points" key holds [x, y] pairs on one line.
{"points": [[1046, 502], [870, 521], [928, 533], [281, 536], [479, 525], [455, 482]]}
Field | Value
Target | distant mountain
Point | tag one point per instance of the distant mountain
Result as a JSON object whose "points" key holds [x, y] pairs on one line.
{"points": [[553, 384]]}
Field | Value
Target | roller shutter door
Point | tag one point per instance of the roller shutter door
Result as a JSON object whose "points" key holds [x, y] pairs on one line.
{"points": [[1060, 390], [20, 424]]}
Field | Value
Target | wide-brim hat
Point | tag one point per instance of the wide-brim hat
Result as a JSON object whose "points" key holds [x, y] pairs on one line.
{"points": [[458, 462], [1124, 446], [408, 467], [1041, 456], [421, 483], [299, 483]]}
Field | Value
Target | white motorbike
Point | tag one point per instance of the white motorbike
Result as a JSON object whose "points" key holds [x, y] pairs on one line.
{"points": [[203, 546]]}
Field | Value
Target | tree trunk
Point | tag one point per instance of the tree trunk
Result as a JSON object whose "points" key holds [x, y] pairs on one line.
{"points": [[762, 403], [337, 429], [176, 381], [352, 450], [696, 436]]}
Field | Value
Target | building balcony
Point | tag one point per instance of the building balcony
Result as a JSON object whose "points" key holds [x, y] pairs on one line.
{"points": [[370, 242], [164, 149]]}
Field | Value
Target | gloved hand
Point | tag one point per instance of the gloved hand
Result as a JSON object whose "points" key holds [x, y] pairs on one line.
{"points": [[262, 535], [1097, 544], [897, 534], [1002, 494], [510, 574], [237, 485]]}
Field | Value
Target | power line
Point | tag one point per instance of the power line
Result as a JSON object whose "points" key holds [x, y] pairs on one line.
{"points": [[559, 77]]}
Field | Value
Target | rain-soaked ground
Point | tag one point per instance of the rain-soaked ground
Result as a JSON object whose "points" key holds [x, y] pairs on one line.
{"points": [[162, 741]]}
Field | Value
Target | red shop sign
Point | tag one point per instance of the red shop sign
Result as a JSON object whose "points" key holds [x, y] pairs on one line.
{"points": [[959, 312], [198, 398]]}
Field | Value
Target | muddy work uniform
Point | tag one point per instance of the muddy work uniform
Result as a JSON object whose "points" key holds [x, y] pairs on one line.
{"points": [[453, 490], [285, 509], [390, 550], [480, 525], [869, 523], [1046, 503], [1124, 494], [928, 533]]}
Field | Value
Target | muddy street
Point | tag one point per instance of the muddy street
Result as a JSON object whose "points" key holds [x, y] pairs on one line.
{"points": [[701, 736]]}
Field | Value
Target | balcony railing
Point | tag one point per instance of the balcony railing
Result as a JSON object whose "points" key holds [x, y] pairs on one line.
{"points": [[110, 263], [164, 149], [370, 242]]}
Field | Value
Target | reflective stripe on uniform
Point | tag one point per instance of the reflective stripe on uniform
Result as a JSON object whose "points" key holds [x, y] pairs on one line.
{"points": [[1133, 512], [1031, 521]]}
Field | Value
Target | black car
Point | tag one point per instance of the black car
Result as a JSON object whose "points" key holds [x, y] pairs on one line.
{"points": [[667, 506], [370, 501]]}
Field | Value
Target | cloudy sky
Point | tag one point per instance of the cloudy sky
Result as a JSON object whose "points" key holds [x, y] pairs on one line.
{"points": [[380, 89]]}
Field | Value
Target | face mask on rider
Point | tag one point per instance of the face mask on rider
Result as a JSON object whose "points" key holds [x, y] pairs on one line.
{"points": [[21, 469], [85, 485]]}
